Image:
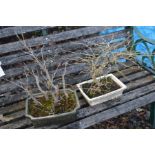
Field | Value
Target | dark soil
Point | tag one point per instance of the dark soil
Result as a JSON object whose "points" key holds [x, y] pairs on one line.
{"points": [[66, 104], [107, 86], [136, 119]]}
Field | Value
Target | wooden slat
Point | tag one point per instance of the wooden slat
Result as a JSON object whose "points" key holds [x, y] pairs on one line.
{"points": [[17, 71], [17, 97], [72, 79], [18, 124], [137, 75], [20, 96], [30, 127], [130, 95], [11, 31], [68, 46], [7, 87], [8, 98], [113, 112], [13, 117], [126, 97], [12, 108], [144, 80], [84, 77], [6, 48]]}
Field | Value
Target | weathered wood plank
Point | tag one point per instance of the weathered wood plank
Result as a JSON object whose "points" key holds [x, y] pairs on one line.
{"points": [[11, 31], [13, 117], [18, 124], [7, 87], [12, 108], [77, 68], [12, 98], [143, 81], [113, 112], [82, 77], [126, 97], [30, 127], [21, 96], [68, 46], [72, 80], [89, 111], [137, 75], [125, 72], [16, 71], [85, 76], [63, 36], [129, 96]]}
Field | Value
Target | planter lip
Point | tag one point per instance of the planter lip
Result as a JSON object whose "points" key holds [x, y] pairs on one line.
{"points": [[55, 115], [120, 83]]}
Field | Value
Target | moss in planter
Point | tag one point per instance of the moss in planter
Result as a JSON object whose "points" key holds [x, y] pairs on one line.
{"points": [[107, 85], [66, 104]]}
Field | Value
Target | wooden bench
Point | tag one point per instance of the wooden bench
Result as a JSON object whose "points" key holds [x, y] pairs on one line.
{"points": [[140, 83]]}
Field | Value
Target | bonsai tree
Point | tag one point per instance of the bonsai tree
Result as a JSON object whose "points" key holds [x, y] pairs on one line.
{"points": [[100, 61], [42, 78]]}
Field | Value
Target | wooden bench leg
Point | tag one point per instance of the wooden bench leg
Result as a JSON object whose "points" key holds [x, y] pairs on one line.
{"points": [[152, 115]]}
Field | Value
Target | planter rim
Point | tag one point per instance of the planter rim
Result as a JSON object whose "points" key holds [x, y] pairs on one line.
{"points": [[54, 115], [121, 84]]}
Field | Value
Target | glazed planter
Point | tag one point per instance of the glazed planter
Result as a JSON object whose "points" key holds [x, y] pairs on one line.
{"points": [[103, 98], [55, 119]]}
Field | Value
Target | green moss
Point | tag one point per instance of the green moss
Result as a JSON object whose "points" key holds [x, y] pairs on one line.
{"points": [[92, 90], [66, 104]]}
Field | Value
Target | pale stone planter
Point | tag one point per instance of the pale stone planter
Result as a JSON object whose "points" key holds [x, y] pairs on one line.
{"points": [[103, 98]]}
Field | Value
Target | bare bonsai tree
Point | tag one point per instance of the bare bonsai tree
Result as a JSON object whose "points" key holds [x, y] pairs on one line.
{"points": [[100, 61], [41, 76]]}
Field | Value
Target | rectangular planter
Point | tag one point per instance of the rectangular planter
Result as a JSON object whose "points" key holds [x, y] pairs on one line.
{"points": [[103, 98]]}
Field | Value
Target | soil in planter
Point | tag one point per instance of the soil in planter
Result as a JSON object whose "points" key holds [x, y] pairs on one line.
{"points": [[107, 86], [66, 104]]}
